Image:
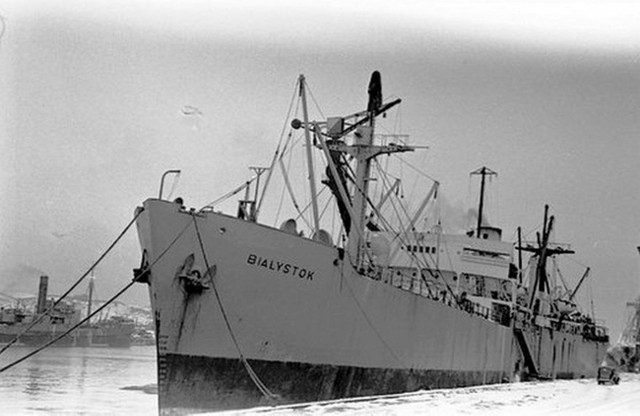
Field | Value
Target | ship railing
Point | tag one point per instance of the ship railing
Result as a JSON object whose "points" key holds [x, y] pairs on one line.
{"points": [[437, 291], [588, 330], [416, 285], [566, 326], [523, 320]]}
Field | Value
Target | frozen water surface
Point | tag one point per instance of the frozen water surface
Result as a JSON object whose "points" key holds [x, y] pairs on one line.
{"points": [[561, 397]]}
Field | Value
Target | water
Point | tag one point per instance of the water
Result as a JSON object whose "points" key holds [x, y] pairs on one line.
{"points": [[80, 381], [109, 381]]}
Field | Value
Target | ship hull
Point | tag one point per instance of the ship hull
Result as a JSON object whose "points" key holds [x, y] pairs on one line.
{"points": [[96, 337], [35, 339], [42, 334], [118, 337], [295, 315], [223, 383]]}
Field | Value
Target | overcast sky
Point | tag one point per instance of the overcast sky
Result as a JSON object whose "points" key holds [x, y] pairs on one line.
{"points": [[547, 95]]}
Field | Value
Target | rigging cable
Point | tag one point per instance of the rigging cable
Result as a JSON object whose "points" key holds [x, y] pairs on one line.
{"points": [[404, 162], [275, 155], [229, 194], [56, 339], [404, 210], [436, 273], [557, 270], [281, 201], [292, 195], [285, 177], [326, 205], [98, 310], [576, 261], [368, 254], [254, 377], [93, 266], [366, 317], [315, 102], [306, 207], [383, 141]]}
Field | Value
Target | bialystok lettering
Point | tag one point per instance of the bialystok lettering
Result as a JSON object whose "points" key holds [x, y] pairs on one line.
{"points": [[280, 266]]}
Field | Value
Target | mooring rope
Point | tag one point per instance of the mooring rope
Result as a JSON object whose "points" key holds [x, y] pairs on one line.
{"points": [[93, 266], [56, 339], [252, 374], [107, 303]]}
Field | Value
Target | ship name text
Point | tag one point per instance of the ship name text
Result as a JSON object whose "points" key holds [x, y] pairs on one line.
{"points": [[280, 266]]}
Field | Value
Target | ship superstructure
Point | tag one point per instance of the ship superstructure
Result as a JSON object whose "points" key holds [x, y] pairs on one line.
{"points": [[60, 319], [249, 314]]}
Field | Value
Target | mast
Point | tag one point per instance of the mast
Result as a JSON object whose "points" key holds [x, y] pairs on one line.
{"points": [[363, 144], [243, 212], [519, 255], [543, 250], [362, 150], [484, 171], [307, 139], [91, 282], [253, 214], [542, 263], [364, 139]]}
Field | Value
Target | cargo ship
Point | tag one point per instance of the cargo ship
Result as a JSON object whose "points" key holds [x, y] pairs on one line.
{"points": [[249, 314], [15, 322]]}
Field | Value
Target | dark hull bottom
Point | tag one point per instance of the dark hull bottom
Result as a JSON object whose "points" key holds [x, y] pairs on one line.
{"points": [[188, 382]]}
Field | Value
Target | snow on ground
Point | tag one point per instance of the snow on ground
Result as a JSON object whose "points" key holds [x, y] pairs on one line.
{"points": [[561, 397]]}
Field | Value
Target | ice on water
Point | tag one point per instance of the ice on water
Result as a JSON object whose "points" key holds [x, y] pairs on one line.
{"points": [[561, 397]]}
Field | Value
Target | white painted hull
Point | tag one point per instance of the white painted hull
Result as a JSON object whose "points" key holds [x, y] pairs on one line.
{"points": [[343, 333]]}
